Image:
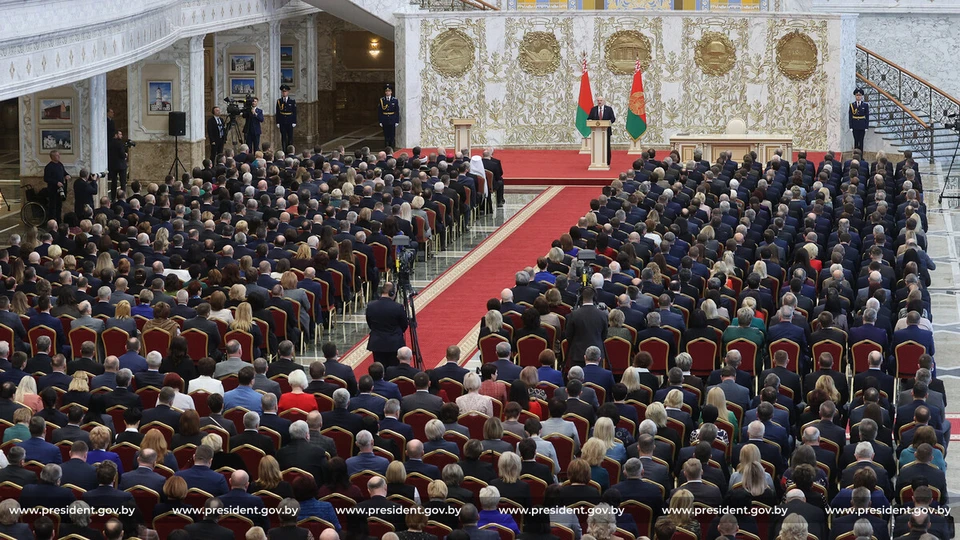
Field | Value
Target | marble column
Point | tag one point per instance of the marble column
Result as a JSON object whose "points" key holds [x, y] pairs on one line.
{"points": [[98, 128], [308, 118], [195, 109], [269, 95]]}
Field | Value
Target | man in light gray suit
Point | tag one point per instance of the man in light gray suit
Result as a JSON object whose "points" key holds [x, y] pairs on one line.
{"points": [[87, 319], [120, 293], [260, 380], [731, 390], [556, 423], [587, 394], [933, 399], [156, 287], [233, 364]]}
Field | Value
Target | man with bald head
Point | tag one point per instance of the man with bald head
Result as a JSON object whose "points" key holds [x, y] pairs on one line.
{"points": [[238, 497], [415, 462]]}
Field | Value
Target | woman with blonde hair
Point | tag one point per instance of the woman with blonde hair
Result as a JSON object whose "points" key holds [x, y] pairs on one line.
{"points": [[605, 431], [493, 437], [795, 527], [221, 458], [78, 392], [508, 481], [593, 452], [635, 390], [19, 304], [104, 262], [718, 399], [270, 480], [236, 295], [750, 466], [825, 383], [243, 321], [26, 394], [657, 276], [303, 258], [123, 320], [155, 441], [100, 439], [20, 430], [493, 324], [396, 482], [680, 513]]}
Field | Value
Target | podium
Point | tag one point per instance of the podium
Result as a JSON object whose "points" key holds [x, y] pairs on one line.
{"points": [[461, 132], [599, 138]]}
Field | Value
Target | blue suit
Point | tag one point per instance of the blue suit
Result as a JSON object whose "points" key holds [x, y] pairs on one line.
{"points": [[507, 371], [79, 473], [47, 319], [366, 462], [238, 498], [142, 476], [418, 466], [133, 361], [595, 374], [387, 389], [201, 477], [369, 402], [871, 332], [914, 333], [40, 450], [397, 426], [550, 375], [243, 396]]}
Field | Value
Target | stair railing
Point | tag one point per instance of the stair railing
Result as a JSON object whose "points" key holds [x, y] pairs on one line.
{"points": [[906, 125], [913, 91]]}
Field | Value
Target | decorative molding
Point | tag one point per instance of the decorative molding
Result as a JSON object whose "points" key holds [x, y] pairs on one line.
{"points": [[715, 53], [797, 56], [99, 36], [539, 53], [622, 50], [452, 53]]}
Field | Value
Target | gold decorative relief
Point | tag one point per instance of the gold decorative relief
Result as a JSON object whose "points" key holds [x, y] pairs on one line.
{"points": [[796, 55], [715, 53], [622, 50], [452, 53], [539, 53]]}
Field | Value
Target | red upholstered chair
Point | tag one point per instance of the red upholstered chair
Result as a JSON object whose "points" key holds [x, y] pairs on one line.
{"points": [[583, 425], [224, 435], [238, 525], [529, 349], [164, 429], [537, 488], [659, 350], [251, 456], [440, 459], [405, 385], [860, 352], [907, 358], [360, 480], [313, 524], [200, 398], [474, 485], [792, 349], [342, 439], [377, 527], [642, 514], [421, 482], [235, 414], [564, 447], [246, 343], [704, 353], [197, 343], [474, 422], [417, 419], [42, 330], [748, 353], [836, 351], [146, 499], [168, 522], [456, 438], [157, 339], [452, 388], [618, 354], [78, 335]]}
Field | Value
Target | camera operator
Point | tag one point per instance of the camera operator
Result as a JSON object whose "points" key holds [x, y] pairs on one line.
{"points": [[216, 133], [387, 321], [84, 190], [117, 166], [56, 177], [252, 126]]}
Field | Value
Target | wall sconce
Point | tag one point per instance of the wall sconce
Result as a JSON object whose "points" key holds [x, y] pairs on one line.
{"points": [[374, 49]]}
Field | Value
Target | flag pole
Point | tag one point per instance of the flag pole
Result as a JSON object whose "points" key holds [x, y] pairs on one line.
{"points": [[635, 148], [585, 146]]}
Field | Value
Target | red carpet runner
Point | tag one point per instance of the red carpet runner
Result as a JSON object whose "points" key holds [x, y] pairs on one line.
{"points": [[450, 308]]}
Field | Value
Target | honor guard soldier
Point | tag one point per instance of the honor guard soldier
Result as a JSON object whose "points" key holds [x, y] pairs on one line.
{"points": [[389, 116], [286, 116], [859, 116]]}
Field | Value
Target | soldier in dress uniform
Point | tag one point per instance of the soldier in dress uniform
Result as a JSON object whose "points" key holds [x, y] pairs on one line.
{"points": [[286, 116], [859, 116], [389, 112]]}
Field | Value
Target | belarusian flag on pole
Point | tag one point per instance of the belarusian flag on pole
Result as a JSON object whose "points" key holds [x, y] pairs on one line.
{"points": [[585, 103], [637, 112]]}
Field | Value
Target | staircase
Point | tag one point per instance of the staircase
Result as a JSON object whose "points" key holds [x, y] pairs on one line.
{"points": [[907, 111]]}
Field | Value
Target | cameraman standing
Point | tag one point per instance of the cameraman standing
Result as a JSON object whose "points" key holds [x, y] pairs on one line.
{"points": [[252, 126], [116, 166], [84, 189], [56, 177], [387, 321]]}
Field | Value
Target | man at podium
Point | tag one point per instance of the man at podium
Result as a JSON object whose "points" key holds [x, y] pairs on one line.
{"points": [[604, 112]]}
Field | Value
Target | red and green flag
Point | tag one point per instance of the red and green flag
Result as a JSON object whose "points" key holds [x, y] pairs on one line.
{"points": [[585, 103], [637, 113]]}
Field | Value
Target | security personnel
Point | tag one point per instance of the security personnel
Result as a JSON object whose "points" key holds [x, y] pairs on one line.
{"points": [[286, 116], [389, 112], [859, 116], [252, 128]]}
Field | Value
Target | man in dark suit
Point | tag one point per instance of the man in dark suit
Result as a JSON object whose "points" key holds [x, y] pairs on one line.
{"points": [[300, 453], [387, 321], [922, 500], [205, 325], [14, 472], [506, 369], [42, 361], [43, 318], [448, 369], [36, 447], [377, 506], [388, 113], [527, 448], [121, 395], [85, 362], [164, 412], [576, 405], [586, 326], [334, 368], [596, 374], [200, 475], [860, 505], [340, 416], [796, 503], [414, 462], [216, 418], [253, 126], [144, 474], [702, 492], [633, 487], [251, 436], [788, 379], [884, 381], [768, 452], [107, 496], [47, 492], [422, 398], [391, 420], [828, 429], [403, 368], [493, 165], [906, 412], [207, 527], [238, 497], [864, 459], [216, 133], [271, 420], [602, 111], [116, 167], [882, 453]]}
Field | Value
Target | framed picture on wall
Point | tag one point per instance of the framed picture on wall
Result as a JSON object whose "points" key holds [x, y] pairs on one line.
{"points": [[159, 97], [286, 54], [242, 87], [243, 63], [55, 110], [57, 139], [286, 76]]}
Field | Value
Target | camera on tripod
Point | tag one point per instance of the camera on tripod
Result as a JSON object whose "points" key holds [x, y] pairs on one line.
{"points": [[236, 107], [582, 267], [406, 255]]}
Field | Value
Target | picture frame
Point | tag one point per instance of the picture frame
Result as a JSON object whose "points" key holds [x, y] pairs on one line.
{"points": [[159, 97], [241, 86], [286, 54], [287, 76], [57, 139], [243, 63], [55, 110]]}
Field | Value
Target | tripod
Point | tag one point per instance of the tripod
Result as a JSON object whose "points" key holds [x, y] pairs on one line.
{"points": [[407, 294], [946, 177], [232, 130], [177, 164]]}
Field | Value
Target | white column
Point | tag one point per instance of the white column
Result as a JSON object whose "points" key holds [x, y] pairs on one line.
{"points": [[310, 87], [269, 95], [98, 127], [195, 105]]}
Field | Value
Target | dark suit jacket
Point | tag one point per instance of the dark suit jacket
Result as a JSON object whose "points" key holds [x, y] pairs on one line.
{"points": [[280, 425], [816, 518], [208, 529], [200, 476], [142, 476], [341, 417], [586, 326], [254, 439], [387, 321], [17, 475], [46, 495], [163, 414]]}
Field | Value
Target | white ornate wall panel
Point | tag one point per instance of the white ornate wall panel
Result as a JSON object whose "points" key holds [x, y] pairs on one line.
{"points": [[82, 38], [33, 157], [173, 64], [513, 107]]}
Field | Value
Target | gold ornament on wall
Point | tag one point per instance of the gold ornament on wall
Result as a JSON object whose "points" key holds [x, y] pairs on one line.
{"points": [[452, 53], [797, 56], [715, 53], [622, 50], [539, 53]]}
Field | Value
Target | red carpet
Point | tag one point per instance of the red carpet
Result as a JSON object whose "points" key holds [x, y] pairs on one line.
{"points": [[456, 301], [567, 167]]}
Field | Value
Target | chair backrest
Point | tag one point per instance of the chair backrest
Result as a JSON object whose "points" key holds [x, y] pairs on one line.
{"points": [[440, 458], [748, 353], [582, 424], [792, 349], [197, 342], [146, 499], [907, 358], [246, 341], [659, 350], [564, 447], [342, 439], [157, 339], [860, 353], [618, 354], [361, 478], [171, 521], [42, 330], [474, 422], [251, 456], [77, 336]]}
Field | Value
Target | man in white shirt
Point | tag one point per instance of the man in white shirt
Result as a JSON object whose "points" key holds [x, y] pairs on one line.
{"points": [[532, 427], [205, 381]]}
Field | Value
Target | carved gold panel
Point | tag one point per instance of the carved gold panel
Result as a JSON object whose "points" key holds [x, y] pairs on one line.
{"points": [[539, 53], [796, 56], [452, 53], [715, 53], [622, 50]]}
